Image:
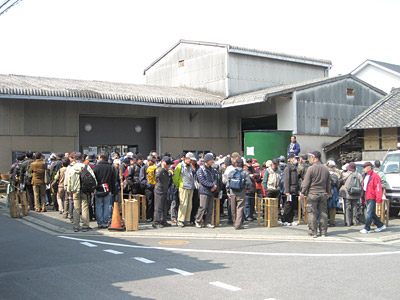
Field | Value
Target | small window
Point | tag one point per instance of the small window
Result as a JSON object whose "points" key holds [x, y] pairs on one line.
{"points": [[324, 123], [350, 92], [181, 63]]}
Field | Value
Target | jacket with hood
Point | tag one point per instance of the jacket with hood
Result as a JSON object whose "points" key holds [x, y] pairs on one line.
{"points": [[74, 182]]}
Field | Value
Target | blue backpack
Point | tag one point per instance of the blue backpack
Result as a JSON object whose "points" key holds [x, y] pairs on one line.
{"points": [[237, 182]]}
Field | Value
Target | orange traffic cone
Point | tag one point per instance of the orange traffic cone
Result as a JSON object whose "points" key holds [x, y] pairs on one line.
{"points": [[116, 219]]}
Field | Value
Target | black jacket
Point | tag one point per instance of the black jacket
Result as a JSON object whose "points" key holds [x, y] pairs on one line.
{"points": [[105, 174], [163, 181], [133, 179]]}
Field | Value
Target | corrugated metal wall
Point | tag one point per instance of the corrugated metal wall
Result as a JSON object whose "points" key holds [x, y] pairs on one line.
{"points": [[331, 102], [202, 68], [250, 73]]}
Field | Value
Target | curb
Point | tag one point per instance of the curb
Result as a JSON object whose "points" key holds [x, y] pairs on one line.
{"points": [[209, 235]]}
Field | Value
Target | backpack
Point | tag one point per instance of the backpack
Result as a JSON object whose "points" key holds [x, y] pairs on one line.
{"points": [[354, 188], [88, 182], [28, 174], [151, 174], [15, 172], [237, 181]]}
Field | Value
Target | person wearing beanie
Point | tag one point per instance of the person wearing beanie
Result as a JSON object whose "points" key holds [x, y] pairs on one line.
{"points": [[207, 185]]}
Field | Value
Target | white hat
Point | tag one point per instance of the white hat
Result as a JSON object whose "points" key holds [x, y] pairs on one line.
{"points": [[129, 154], [331, 163]]}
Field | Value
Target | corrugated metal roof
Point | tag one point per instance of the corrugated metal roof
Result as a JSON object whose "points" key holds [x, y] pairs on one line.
{"points": [[19, 86], [250, 51], [383, 114], [264, 94]]}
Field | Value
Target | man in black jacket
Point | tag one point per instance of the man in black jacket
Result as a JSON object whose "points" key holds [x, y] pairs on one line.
{"points": [[133, 175], [163, 181], [291, 190], [105, 190]]}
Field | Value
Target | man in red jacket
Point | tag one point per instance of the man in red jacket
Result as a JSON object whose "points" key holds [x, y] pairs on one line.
{"points": [[372, 194]]}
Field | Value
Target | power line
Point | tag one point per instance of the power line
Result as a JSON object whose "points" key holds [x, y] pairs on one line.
{"points": [[6, 8]]}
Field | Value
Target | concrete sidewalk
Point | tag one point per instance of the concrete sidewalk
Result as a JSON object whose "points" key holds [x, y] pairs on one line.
{"points": [[53, 221]]}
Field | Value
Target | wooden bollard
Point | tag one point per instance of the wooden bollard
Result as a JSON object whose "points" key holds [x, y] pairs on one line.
{"points": [[216, 212], [131, 214], [142, 207], [270, 208]]}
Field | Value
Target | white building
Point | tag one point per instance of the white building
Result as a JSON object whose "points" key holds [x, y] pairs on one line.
{"points": [[383, 75]]}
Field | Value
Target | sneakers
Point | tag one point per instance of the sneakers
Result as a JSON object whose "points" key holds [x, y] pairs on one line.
{"points": [[210, 226], [380, 228], [180, 224], [365, 231], [198, 225], [294, 224], [286, 224]]}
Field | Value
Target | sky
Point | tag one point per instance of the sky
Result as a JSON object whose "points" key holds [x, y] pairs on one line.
{"points": [[116, 40]]}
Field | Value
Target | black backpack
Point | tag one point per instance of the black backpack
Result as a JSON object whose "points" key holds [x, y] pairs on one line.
{"points": [[88, 182]]}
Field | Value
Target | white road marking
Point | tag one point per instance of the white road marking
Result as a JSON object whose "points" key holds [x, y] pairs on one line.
{"points": [[88, 244], [184, 273], [144, 260], [236, 252], [113, 251], [225, 286]]}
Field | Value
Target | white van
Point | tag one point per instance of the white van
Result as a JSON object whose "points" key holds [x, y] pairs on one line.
{"points": [[391, 168]]}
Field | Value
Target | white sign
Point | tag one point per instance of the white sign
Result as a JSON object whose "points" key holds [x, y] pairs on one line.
{"points": [[250, 151]]}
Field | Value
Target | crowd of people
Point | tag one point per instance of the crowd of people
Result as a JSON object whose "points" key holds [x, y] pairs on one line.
{"points": [[83, 188]]}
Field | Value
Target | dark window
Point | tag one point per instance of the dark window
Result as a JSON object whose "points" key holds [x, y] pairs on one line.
{"points": [[350, 92], [324, 122]]}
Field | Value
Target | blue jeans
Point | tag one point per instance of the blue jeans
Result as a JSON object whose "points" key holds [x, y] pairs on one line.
{"points": [[103, 209], [371, 215], [249, 206]]}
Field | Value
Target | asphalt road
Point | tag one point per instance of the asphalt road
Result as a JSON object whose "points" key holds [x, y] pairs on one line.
{"points": [[37, 264]]}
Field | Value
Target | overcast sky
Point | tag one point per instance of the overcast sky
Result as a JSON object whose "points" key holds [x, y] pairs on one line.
{"points": [[116, 40]]}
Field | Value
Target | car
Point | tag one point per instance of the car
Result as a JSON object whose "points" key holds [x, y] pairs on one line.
{"points": [[391, 168]]}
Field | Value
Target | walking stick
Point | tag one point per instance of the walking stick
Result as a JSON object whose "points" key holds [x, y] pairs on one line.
{"points": [[122, 195]]}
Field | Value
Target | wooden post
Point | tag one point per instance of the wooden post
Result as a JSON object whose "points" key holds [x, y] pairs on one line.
{"points": [[258, 200], [216, 212], [122, 194]]}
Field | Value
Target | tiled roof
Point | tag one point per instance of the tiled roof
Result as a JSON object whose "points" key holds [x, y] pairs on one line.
{"points": [[83, 90], [264, 94], [383, 114]]}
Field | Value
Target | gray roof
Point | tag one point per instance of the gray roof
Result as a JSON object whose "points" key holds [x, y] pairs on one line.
{"points": [[264, 94], [27, 87], [383, 114], [392, 67], [249, 51]]}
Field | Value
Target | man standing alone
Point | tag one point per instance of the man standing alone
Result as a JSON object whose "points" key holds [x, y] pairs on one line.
{"points": [[317, 186]]}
